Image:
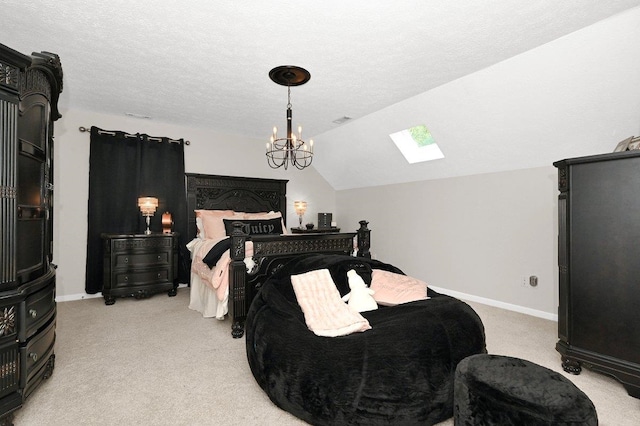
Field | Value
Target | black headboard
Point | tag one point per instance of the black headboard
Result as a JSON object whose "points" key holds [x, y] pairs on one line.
{"points": [[242, 194]]}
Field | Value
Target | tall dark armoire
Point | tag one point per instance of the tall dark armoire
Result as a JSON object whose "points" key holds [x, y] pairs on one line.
{"points": [[29, 90], [599, 265]]}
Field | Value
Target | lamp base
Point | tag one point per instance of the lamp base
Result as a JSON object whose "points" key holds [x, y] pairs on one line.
{"points": [[148, 220]]}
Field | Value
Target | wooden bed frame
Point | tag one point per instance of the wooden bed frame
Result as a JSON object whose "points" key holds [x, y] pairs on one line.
{"points": [[270, 252]]}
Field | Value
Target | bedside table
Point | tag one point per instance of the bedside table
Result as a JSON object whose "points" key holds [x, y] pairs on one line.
{"points": [[139, 265]]}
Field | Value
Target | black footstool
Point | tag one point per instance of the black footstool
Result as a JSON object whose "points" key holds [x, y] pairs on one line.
{"points": [[500, 390]]}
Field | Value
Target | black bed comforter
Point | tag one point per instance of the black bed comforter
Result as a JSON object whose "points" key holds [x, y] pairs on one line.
{"points": [[399, 372]]}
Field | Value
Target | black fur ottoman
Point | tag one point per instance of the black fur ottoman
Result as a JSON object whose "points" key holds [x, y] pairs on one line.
{"points": [[500, 390]]}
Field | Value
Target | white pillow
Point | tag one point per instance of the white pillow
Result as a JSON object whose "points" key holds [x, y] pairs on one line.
{"points": [[200, 233]]}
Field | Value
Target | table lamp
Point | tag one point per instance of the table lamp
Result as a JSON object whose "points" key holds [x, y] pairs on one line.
{"points": [[148, 206], [301, 207]]}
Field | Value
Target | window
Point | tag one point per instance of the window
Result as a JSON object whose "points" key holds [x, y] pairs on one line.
{"points": [[417, 144]]}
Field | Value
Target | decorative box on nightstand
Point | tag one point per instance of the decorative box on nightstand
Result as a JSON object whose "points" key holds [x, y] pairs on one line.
{"points": [[139, 265]]}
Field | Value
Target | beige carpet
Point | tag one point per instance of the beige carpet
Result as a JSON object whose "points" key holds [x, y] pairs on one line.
{"points": [[155, 362]]}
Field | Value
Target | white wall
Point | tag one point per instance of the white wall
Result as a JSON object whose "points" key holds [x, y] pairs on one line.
{"points": [[476, 235], [210, 152], [480, 235], [577, 95]]}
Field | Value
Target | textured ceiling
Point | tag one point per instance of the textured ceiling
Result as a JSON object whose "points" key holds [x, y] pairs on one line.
{"points": [[205, 63]]}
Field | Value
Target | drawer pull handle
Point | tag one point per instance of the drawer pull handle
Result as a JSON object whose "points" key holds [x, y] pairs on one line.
{"points": [[33, 313], [126, 260], [126, 277], [159, 274], [159, 257], [33, 356]]}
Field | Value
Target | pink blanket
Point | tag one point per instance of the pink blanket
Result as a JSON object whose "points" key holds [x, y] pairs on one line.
{"points": [[217, 277], [324, 311]]}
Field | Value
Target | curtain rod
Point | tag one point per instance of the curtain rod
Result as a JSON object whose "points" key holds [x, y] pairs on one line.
{"points": [[129, 135]]}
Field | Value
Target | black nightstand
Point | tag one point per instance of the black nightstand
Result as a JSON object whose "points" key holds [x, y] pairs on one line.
{"points": [[139, 265]]}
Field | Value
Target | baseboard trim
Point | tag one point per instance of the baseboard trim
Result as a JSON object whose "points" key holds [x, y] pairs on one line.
{"points": [[82, 296], [453, 293], [496, 303], [79, 296]]}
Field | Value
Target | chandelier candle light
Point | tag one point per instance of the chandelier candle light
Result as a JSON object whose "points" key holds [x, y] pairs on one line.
{"points": [[291, 148], [148, 206]]}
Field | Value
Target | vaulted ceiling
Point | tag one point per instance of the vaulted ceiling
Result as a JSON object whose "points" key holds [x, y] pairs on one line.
{"points": [[205, 63]]}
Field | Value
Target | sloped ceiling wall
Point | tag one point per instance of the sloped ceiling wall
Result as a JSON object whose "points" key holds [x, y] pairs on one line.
{"points": [[578, 95]]}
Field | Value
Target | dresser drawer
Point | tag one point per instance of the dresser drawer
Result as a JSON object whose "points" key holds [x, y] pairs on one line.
{"points": [[37, 309], [142, 259], [152, 276], [36, 353]]}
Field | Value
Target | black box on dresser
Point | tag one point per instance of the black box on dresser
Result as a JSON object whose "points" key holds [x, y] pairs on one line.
{"points": [[29, 91]]}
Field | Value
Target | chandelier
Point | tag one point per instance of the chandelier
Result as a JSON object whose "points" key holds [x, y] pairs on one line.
{"points": [[291, 148]]}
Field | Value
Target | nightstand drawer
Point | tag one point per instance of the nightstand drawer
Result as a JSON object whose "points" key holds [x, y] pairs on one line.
{"points": [[133, 243], [142, 259], [153, 276]]}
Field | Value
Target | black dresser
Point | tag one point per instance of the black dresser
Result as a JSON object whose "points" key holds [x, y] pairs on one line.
{"points": [[599, 265], [29, 90], [139, 265]]}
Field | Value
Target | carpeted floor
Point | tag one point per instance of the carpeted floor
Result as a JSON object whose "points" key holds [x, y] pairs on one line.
{"points": [[155, 362]]}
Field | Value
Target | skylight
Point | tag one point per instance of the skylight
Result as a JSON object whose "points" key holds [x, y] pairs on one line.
{"points": [[417, 144]]}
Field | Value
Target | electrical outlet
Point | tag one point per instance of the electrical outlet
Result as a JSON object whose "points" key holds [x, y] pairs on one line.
{"points": [[533, 281], [524, 282]]}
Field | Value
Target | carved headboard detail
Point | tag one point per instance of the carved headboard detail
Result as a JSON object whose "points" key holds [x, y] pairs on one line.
{"points": [[243, 194]]}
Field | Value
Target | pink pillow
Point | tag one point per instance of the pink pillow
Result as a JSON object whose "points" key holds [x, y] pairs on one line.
{"points": [[269, 215], [392, 289], [212, 222]]}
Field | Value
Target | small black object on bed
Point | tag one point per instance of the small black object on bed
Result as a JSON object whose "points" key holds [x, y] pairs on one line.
{"points": [[399, 372]]}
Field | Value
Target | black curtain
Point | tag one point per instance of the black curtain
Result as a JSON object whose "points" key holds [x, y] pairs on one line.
{"points": [[123, 167]]}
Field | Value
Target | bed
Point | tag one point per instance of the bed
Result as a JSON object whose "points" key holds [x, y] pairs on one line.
{"points": [[226, 288], [398, 371]]}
